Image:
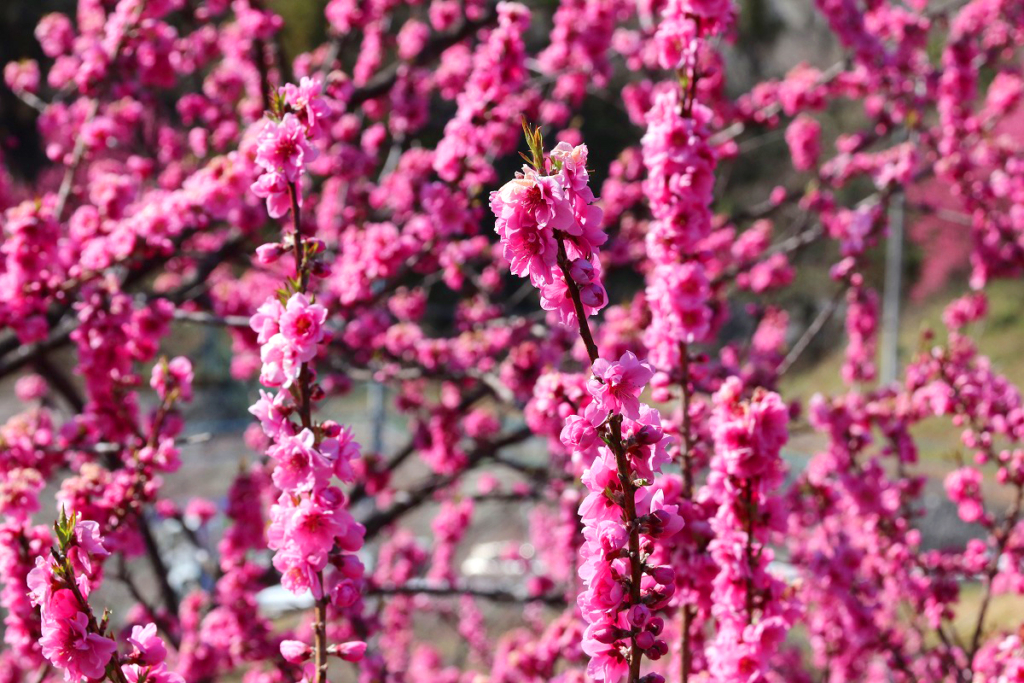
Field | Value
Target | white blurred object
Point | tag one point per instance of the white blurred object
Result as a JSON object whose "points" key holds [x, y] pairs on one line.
{"points": [[278, 600]]}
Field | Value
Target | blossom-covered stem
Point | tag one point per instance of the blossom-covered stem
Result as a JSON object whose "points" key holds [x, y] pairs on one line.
{"points": [[691, 89], [320, 652], [614, 436], [113, 671], [686, 453], [748, 550], [320, 636], [574, 294], [686, 462], [629, 508], [301, 267], [1003, 538], [1001, 535]]}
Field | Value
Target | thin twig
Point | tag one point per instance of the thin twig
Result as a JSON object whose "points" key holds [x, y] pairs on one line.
{"points": [[811, 332]]}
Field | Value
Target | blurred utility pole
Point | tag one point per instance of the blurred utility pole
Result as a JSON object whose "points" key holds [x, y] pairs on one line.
{"points": [[378, 415], [893, 286]]}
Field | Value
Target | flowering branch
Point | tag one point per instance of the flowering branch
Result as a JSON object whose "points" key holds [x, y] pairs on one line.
{"points": [[309, 519]]}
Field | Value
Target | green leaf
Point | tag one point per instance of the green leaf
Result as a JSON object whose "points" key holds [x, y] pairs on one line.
{"points": [[64, 528]]}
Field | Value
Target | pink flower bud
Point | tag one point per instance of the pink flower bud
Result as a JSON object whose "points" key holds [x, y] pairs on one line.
{"points": [[648, 435], [351, 651], [605, 633], [639, 615], [267, 254], [593, 295], [582, 272], [578, 434], [295, 651]]}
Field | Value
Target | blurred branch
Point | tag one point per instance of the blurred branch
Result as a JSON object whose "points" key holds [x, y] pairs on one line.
{"points": [[206, 318], [384, 80], [492, 593], [812, 331], [410, 500]]}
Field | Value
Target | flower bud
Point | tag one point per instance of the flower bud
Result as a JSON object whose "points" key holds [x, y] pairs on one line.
{"points": [[351, 651], [577, 434], [267, 254], [295, 651], [663, 574], [582, 272], [648, 435], [320, 269], [604, 633], [658, 650], [639, 615], [593, 295]]}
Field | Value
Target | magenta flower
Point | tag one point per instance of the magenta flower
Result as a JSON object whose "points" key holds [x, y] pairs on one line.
{"points": [[265, 322], [176, 374], [302, 324], [283, 147], [309, 105], [616, 385], [149, 647], [281, 365], [529, 209], [295, 651], [136, 673], [273, 187], [67, 642], [352, 651], [963, 486], [300, 466], [271, 413]]}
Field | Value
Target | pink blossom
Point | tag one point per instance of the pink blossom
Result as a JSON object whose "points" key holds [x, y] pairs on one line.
{"points": [[802, 136], [149, 647], [617, 384], [529, 210], [67, 642], [284, 149], [273, 186], [174, 374], [352, 651], [302, 325], [963, 486], [308, 105], [300, 465], [295, 651], [135, 673]]}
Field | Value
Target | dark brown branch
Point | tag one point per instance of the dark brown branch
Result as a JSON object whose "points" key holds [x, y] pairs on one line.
{"points": [[413, 499], [167, 593], [59, 381], [384, 80], [494, 594], [824, 315]]}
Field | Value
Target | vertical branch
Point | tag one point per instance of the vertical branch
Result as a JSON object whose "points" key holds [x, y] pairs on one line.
{"points": [[1002, 539], [305, 415], [686, 462], [629, 506], [614, 440], [577, 303]]}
